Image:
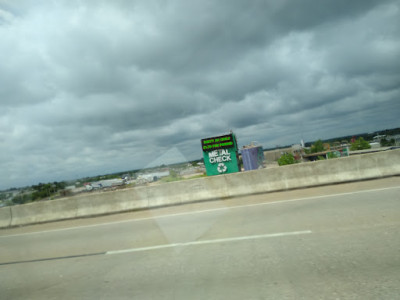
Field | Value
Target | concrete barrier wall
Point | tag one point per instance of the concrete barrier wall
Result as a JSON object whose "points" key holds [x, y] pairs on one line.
{"points": [[5, 217], [314, 174], [118, 201], [362, 167], [44, 211]]}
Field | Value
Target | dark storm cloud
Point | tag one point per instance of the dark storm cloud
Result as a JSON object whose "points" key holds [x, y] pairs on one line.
{"points": [[89, 87]]}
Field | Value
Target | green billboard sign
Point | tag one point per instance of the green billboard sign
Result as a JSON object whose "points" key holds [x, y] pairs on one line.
{"points": [[220, 154]]}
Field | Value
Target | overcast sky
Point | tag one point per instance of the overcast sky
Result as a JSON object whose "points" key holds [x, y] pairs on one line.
{"points": [[95, 87]]}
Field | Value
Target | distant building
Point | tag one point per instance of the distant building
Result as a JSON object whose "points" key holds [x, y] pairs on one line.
{"points": [[104, 184], [297, 151], [275, 154], [126, 177], [378, 138], [375, 145], [153, 176]]}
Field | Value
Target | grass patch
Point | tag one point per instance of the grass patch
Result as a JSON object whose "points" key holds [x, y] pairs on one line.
{"points": [[170, 179], [197, 176]]}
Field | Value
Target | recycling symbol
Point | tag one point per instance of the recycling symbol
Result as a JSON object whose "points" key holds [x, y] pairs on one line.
{"points": [[221, 168]]}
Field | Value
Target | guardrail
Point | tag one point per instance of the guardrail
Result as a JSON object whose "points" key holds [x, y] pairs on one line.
{"points": [[340, 170]]}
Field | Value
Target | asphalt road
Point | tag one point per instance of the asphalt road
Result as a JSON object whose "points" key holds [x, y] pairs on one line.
{"points": [[332, 242]]}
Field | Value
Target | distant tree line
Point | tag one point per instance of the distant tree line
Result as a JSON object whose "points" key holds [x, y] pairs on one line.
{"points": [[38, 192], [365, 136], [318, 146]]}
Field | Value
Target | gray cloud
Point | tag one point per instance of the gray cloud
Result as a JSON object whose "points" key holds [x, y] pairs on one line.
{"points": [[96, 87]]}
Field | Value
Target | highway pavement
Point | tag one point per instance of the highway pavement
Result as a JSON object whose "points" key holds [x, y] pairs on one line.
{"points": [[332, 242]]}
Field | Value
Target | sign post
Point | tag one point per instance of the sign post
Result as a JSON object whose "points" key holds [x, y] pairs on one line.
{"points": [[220, 154]]}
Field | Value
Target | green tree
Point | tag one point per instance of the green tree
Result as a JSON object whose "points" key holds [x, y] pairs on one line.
{"points": [[360, 144], [286, 159], [317, 147], [22, 198], [387, 143]]}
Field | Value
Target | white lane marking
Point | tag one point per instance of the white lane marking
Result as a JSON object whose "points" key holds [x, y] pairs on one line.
{"points": [[202, 211], [204, 242]]}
